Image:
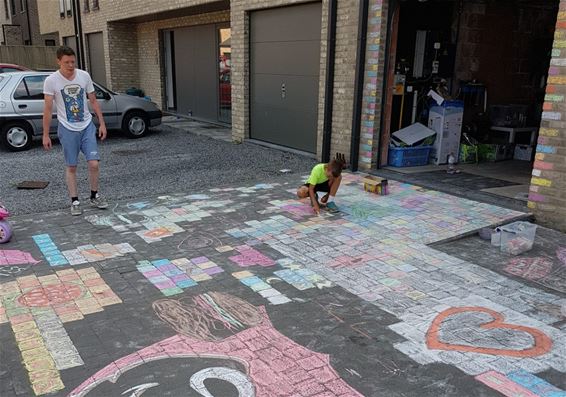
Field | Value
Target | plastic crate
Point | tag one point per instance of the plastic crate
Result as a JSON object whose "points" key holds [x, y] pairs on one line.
{"points": [[518, 237], [409, 156]]}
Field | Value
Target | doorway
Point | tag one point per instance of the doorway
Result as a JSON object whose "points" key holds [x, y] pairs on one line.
{"points": [[489, 57]]}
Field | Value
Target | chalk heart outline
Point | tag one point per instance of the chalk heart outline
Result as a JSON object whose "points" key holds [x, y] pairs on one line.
{"points": [[542, 343]]}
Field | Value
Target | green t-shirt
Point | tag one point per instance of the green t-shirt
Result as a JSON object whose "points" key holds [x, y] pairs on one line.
{"points": [[318, 175]]}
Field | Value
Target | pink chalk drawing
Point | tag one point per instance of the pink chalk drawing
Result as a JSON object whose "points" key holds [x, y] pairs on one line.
{"points": [[250, 257], [299, 209], [561, 254], [16, 257], [273, 365], [504, 385], [529, 268]]}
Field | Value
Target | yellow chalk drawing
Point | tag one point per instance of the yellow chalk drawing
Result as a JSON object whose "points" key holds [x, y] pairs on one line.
{"points": [[541, 182], [539, 156], [558, 79], [531, 205], [549, 131]]}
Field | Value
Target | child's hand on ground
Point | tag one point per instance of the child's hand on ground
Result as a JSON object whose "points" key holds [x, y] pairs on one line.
{"points": [[316, 209]]}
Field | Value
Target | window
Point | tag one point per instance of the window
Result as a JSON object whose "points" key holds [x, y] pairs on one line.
{"points": [[95, 5], [13, 6], [69, 7], [50, 42], [30, 88], [62, 8], [22, 6], [6, 9], [87, 6], [8, 70]]}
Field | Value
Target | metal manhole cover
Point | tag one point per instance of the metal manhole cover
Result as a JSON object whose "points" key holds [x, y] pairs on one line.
{"points": [[129, 152]]}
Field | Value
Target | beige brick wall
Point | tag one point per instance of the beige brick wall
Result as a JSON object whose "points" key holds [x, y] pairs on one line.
{"points": [[547, 195], [346, 33]]}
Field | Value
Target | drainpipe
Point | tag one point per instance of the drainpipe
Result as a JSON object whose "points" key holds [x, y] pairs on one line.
{"points": [[79, 33], [329, 84], [359, 85], [29, 24], [390, 14]]}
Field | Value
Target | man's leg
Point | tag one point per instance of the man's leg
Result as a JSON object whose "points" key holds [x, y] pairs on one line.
{"points": [[71, 179], [89, 148], [93, 172], [71, 142]]}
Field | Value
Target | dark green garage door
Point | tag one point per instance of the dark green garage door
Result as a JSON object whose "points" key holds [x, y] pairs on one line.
{"points": [[285, 64]]}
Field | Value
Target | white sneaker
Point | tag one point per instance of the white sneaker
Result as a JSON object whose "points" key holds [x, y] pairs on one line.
{"points": [[76, 208]]}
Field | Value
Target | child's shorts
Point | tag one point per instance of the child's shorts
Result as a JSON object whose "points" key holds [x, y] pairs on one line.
{"points": [[321, 187]]}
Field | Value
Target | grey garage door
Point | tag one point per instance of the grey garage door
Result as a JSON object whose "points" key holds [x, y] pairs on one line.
{"points": [[196, 71], [285, 64], [96, 57]]}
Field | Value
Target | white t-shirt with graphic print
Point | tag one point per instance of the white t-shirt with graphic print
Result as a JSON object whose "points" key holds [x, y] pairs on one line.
{"points": [[70, 98]]}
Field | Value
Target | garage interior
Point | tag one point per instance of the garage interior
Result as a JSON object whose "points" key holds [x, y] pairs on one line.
{"points": [[491, 57]]}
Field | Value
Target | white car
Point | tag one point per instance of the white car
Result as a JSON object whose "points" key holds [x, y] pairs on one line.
{"points": [[21, 110]]}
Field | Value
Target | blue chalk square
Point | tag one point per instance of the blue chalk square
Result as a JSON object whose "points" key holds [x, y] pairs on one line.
{"points": [[185, 283], [249, 281], [161, 262]]}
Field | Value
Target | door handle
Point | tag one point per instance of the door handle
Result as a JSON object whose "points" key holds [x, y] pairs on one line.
{"points": [[22, 106], [283, 91]]}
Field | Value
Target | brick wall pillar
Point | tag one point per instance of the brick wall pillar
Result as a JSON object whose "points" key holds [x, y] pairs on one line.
{"points": [[547, 196], [373, 83], [121, 53]]}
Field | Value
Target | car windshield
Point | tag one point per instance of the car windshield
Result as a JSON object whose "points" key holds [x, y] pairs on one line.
{"points": [[105, 89]]}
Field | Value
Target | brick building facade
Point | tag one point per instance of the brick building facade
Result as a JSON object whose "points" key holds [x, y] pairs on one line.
{"points": [[23, 28], [132, 34]]}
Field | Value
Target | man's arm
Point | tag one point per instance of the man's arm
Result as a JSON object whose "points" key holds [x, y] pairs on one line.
{"points": [[98, 112], [47, 116]]}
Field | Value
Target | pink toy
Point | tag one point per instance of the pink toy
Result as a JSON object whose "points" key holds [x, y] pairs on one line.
{"points": [[5, 228]]}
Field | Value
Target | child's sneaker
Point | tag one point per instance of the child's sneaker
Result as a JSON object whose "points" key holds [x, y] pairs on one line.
{"points": [[332, 207], [76, 208], [99, 202]]}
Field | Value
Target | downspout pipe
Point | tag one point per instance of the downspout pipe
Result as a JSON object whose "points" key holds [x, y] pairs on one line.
{"points": [[29, 24], [386, 66], [81, 38], [329, 83], [79, 33], [359, 85]]}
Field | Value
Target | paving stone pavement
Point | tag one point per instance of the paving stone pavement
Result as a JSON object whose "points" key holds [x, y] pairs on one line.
{"points": [[242, 291]]}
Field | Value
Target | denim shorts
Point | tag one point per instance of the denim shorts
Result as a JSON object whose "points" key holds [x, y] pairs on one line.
{"points": [[74, 142]]}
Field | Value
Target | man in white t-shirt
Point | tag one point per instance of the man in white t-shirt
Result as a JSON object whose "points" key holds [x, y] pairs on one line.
{"points": [[69, 88]]}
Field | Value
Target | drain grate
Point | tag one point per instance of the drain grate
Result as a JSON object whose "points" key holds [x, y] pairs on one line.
{"points": [[32, 185]]}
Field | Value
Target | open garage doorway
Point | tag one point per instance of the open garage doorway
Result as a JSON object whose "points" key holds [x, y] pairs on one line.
{"points": [[488, 61]]}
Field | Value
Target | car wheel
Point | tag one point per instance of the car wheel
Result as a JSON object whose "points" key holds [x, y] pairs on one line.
{"points": [[17, 136], [135, 123]]}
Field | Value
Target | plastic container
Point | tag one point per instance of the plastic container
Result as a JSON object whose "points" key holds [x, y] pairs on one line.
{"points": [[409, 156], [496, 237], [517, 237]]}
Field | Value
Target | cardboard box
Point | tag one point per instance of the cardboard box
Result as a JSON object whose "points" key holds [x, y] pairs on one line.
{"points": [[523, 152], [375, 185]]}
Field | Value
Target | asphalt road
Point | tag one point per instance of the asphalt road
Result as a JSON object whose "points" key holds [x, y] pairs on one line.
{"points": [[167, 160]]}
